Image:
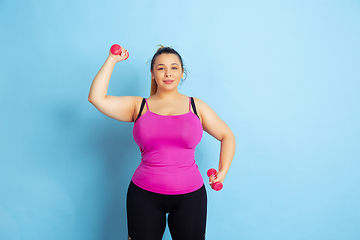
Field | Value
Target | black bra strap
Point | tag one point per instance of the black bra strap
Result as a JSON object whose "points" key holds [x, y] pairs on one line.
{"points": [[193, 106], [141, 108]]}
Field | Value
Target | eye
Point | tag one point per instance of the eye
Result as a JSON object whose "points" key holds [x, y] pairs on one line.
{"points": [[174, 68], [160, 68]]}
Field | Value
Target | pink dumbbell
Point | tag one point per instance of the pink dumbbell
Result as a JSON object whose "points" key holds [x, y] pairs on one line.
{"points": [[217, 186], [116, 50]]}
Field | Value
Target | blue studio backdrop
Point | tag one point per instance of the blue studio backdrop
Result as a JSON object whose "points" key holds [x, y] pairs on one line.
{"points": [[284, 75]]}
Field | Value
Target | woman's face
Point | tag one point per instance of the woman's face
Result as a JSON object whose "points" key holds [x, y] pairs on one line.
{"points": [[167, 71]]}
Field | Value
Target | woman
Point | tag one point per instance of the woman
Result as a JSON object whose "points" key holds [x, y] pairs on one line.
{"points": [[167, 127]]}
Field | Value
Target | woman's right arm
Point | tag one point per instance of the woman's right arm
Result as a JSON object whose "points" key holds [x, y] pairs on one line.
{"points": [[120, 108]]}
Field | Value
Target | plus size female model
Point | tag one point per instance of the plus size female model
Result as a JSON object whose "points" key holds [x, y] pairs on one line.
{"points": [[167, 127]]}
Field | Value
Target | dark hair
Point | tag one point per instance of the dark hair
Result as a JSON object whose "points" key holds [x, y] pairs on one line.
{"points": [[163, 50]]}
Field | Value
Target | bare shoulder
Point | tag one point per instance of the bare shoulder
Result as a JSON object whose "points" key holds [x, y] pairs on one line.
{"points": [[201, 106], [131, 102], [136, 99], [211, 122], [121, 108], [205, 112], [137, 102], [128, 100], [137, 105], [133, 98]]}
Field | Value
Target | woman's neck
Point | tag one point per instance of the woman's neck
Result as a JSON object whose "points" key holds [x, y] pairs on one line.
{"points": [[167, 94]]}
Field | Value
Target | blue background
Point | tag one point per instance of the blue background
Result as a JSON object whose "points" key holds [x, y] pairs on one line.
{"points": [[284, 75]]}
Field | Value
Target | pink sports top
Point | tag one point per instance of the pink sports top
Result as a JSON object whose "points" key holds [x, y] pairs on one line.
{"points": [[167, 145]]}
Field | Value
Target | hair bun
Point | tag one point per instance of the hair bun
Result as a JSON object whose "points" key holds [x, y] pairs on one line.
{"points": [[160, 47]]}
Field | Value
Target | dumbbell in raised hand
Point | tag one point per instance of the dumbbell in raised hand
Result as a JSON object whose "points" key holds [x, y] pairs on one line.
{"points": [[217, 186], [116, 50]]}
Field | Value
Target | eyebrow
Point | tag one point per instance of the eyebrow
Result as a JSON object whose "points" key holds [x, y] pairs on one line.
{"points": [[164, 64]]}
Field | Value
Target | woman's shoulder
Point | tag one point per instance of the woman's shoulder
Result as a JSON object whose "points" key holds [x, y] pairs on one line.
{"points": [[203, 108], [131, 99], [199, 102]]}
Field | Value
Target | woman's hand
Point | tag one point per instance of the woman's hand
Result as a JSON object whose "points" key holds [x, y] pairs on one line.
{"points": [[219, 177], [124, 55]]}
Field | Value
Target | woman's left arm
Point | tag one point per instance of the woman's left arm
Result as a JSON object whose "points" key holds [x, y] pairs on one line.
{"points": [[217, 128]]}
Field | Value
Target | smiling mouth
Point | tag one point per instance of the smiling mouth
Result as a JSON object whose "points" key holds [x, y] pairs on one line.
{"points": [[168, 81]]}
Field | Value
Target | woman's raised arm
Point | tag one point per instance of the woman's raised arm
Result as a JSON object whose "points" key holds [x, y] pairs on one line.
{"points": [[120, 108]]}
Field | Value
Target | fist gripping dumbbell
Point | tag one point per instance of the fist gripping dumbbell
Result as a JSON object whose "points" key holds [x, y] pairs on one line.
{"points": [[116, 50], [217, 186]]}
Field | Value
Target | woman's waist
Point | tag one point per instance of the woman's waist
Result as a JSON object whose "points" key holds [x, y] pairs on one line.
{"points": [[167, 166], [168, 179], [168, 159]]}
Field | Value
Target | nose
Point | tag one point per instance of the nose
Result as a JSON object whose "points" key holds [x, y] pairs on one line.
{"points": [[167, 73]]}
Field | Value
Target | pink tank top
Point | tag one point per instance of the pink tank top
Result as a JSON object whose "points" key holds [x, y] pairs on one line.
{"points": [[167, 145]]}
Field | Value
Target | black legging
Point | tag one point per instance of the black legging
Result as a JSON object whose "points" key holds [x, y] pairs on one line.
{"points": [[146, 214]]}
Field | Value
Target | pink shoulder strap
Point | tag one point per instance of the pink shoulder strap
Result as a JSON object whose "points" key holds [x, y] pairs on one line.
{"points": [[147, 106]]}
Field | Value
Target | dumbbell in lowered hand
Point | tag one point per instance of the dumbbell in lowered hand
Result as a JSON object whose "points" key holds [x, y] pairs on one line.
{"points": [[217, 186]]}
